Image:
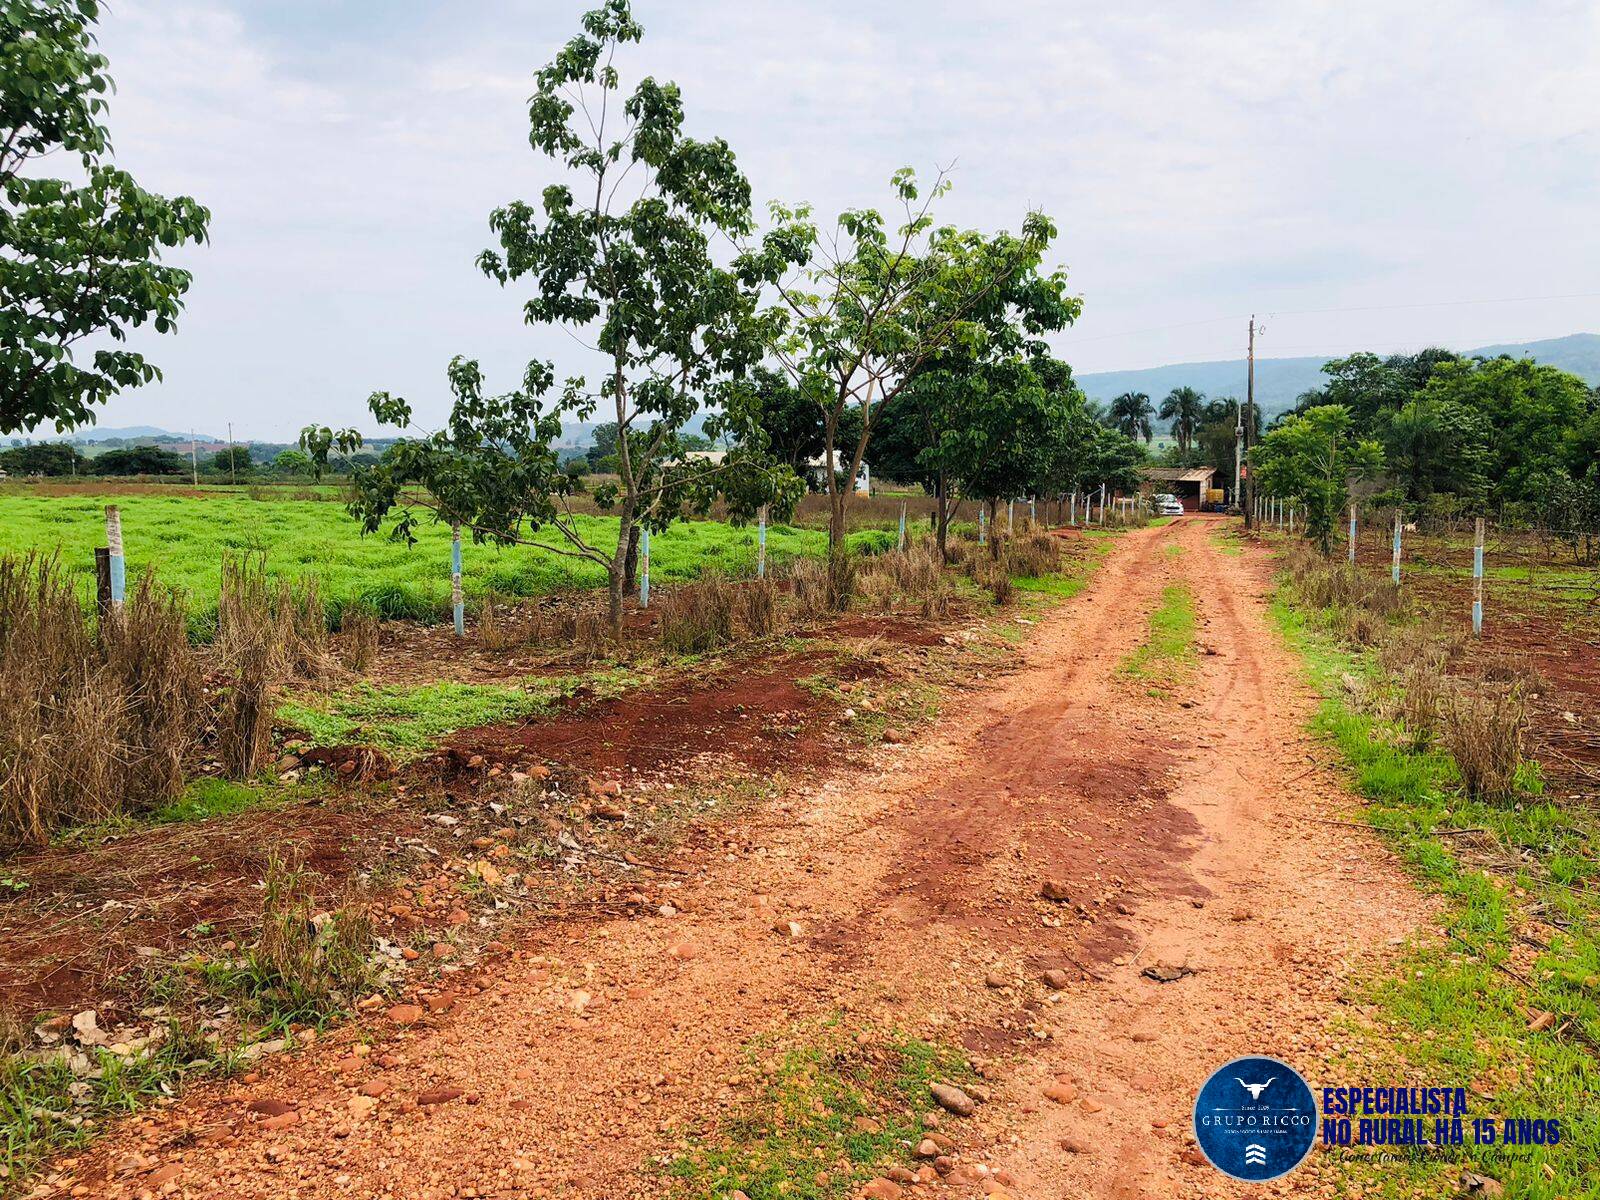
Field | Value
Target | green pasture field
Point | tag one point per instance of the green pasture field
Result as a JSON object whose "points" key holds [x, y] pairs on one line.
{"points": [[184, 539]]}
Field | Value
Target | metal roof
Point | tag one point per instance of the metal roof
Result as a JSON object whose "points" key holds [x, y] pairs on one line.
{"points": [[1178, 474]]}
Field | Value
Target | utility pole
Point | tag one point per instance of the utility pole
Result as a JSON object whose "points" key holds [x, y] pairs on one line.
{"points": [[194, 463], [232, 478], [1247, 424]]}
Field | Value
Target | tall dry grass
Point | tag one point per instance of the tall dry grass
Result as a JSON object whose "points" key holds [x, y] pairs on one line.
{"points": [[93, 722], [714, 611], [1485, 729], [270, 629]]}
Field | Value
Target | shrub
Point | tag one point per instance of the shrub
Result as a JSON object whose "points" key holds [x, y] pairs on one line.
{"points": [[1484, 730], [996, 577], [869, 542], [494, 633], [308, 960], [1421, 689]]}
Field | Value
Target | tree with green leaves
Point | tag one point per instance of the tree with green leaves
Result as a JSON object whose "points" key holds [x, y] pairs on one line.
{"points": [[291, 463], [1436, 445], [1535, 414], [139, 460], [1183, 406], [1312, 457], [620, 254], [864, 307], [235, 460], [1133, 416], [790, 418], [79, 259]]}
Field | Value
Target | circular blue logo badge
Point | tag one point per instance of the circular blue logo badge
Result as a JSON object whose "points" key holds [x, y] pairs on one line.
{"points": [[1255, 1119]]}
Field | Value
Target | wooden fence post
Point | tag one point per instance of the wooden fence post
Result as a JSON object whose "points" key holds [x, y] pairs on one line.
{"points": [[983, 524], [458, 608], [1395, 568], [644, 567], [102, 581], [118, 566], [1011, 516], [902, 543], [1352, 535], [1477, 581], [761, 542]]}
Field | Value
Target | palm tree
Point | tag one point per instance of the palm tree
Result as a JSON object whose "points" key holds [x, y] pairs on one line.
{"points": [[1133, 414], [1183, 407]]}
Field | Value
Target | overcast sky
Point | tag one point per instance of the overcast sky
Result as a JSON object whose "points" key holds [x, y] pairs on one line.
{"points": [[1202, 159]]}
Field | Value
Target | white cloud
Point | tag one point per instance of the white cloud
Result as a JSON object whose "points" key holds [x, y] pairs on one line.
{"points": [[1201, 158]]}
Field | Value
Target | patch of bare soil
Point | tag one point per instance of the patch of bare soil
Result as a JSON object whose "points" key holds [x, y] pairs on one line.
{"points": [[89, 919], [1555, 640], [1059, 819], [755, 717]]}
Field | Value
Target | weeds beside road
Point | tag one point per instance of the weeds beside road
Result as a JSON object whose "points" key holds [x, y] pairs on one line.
{"points": [[1506, 1000]]}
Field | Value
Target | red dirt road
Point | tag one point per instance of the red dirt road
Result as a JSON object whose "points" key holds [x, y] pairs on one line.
{"points": [[1185, 836]]}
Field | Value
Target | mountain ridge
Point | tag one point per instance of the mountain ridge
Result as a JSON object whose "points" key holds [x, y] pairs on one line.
{"points": [[1280, 380]]}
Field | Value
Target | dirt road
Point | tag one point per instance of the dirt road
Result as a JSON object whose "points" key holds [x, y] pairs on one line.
{"points": [[1183, 836]]}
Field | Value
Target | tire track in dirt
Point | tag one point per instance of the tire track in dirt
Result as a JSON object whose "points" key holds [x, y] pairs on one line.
{"points": [[600, 1042]]}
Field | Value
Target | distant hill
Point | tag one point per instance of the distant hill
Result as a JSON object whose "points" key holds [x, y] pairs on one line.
{"points": [[1280, 380], [96, 433]]}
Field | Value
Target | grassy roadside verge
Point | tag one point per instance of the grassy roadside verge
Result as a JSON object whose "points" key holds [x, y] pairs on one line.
{"points": [[1507, 1002]]}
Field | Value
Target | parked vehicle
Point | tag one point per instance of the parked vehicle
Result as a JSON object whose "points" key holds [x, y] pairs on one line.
{"points": [[1167, 505]]}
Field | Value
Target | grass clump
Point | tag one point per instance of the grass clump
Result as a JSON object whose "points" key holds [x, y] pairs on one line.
{"points": [[827, 1116]]}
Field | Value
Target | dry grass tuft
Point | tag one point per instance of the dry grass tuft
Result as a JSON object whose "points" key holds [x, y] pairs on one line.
{"points": [[1485, 731], [358, 637], [90, 727], [810, 579], [714, 611]]}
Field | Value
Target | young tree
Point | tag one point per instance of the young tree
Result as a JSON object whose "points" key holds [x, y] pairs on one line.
{"points": [[1313, 456], [78, 259], [1133, 415], [292, 462], [867, 308], [1183, 406], [621, 255]]}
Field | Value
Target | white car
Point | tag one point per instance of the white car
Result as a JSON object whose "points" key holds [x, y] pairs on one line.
{"points": [[1168, 505]]}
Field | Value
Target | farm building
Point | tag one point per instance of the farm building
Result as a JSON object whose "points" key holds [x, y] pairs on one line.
{"points": [[1188, 484]]}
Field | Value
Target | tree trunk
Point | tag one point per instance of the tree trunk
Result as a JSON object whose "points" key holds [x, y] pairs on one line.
{"points": [[942, 533], [630, 569], [994, 527], [616, 572]]}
